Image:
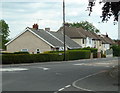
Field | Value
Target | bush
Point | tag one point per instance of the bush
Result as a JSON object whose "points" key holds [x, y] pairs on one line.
{"points": [[116, 50], [21, 52], [79, 54], [30, 58], [93, 50], [6, 53], [45, 57]]}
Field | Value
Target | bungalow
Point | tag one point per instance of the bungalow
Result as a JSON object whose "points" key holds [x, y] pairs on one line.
{"points": [[106, 42], [88, 39], [34, 40], [82, 37]]}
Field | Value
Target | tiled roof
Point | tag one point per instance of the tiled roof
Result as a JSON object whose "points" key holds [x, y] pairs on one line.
{"points": [[106, 40], [68, 41], [74, 32], [56, 39]]}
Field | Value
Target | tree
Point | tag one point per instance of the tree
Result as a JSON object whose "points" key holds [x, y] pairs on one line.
{"points": [[4, 33], [109, 9], [85, 25]]}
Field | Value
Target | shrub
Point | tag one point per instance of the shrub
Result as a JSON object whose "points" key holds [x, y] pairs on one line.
{"points": [[79, 54], [93, 50], [21, 52], [6, 53], [103, 55], [116, 50], [45, 57], [30, 58]]}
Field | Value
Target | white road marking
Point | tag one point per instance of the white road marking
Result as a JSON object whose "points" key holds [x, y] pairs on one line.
{"points": [[74, 83], [61, 89], [67, 86], [13, 69], [80, 64], [44, 68]]}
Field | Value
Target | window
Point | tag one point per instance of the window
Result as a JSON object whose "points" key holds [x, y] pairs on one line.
{"points": [[24, 50], [89, 41], [83, 41], [38, 50]]}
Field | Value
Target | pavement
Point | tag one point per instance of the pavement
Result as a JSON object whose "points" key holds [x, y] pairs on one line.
{"points": [[81, 75], [101, 81]]}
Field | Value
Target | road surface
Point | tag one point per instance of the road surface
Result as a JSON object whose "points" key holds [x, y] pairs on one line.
{"points": [[53, 76]]}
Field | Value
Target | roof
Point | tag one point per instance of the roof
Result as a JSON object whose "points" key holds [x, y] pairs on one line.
{"points": [[50, 38], [47, 37], [68, 41], [74, 32], [106, 40]]}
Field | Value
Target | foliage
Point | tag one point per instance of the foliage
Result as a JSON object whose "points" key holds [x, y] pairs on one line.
{"points": [[29, 58], [93, 50], [116, 50], [44, 57], [85, 25], [21, 52], [4, 33], [79, 54], [109, 9]]}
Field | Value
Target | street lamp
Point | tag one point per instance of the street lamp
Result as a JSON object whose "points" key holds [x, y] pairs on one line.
{"points": [[64, 29]]}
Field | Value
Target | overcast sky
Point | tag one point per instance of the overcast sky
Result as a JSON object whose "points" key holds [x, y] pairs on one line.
{"points": [[20, 14]]}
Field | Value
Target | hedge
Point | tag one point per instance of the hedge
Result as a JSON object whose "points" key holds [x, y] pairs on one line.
{"points": [[30, 58], [45, 57], [79, 54], [116, 50], [93, 50]]}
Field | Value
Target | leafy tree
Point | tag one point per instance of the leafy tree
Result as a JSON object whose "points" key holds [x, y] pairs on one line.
{"points": [[4, 33], [85, 25], [109, 9]]}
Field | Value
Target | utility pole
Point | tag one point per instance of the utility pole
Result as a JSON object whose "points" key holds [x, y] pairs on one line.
{"points": [[119, 25], [64, 29]]}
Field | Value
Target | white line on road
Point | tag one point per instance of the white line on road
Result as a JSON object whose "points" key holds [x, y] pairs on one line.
{"points": [[13, 69], [44, 68], [61, 89], [74, 83], [67, 86]]}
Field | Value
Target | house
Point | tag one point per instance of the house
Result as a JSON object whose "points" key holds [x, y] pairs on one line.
{"points": [[35, 40], [82, 37], [106, 42], [87, 38], [75, 35]]}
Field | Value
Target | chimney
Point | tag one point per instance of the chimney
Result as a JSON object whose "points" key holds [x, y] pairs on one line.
{"points": [[47, 29], [35, 26], [106, 35]]}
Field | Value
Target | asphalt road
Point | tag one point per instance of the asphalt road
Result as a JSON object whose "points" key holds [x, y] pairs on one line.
{"points": [[53, 76]]}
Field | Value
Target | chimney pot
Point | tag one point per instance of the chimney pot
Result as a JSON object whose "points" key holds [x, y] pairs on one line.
{"points": [[35, 26]]}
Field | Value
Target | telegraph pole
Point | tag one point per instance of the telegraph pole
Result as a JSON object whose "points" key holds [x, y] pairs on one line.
{"points": [[119, 25], [64, 29]]}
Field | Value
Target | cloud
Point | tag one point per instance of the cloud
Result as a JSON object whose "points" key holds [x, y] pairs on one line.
{"points": [[21, 14]]}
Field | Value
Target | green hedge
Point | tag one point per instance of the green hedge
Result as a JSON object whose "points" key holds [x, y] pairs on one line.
{"points": [[116, 50], [30, 58], [93, 50], [45, 57], [79, 54]]}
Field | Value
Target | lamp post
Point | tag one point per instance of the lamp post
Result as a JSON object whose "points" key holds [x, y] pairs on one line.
{"points": [[64, 29]]}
